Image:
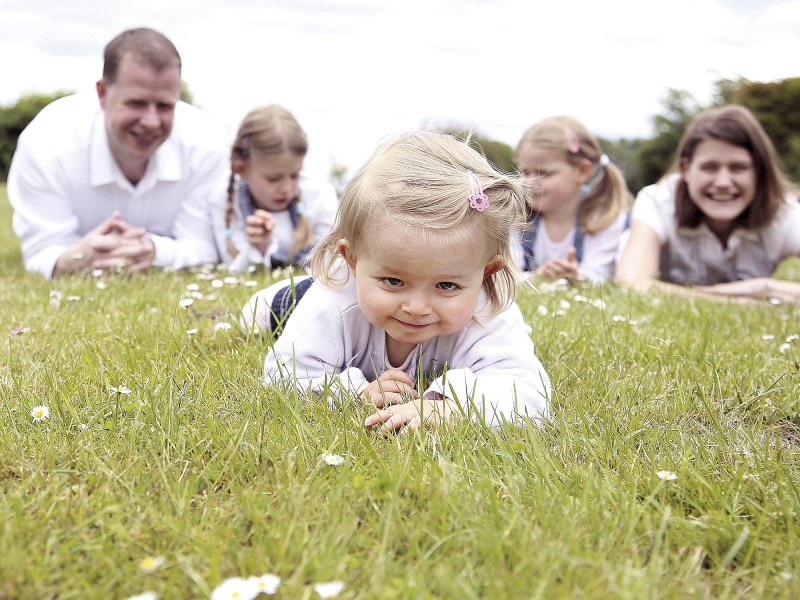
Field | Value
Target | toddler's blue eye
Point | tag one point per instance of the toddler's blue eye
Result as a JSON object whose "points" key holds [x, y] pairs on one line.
{"points": [[392, 281], [448, 286]]}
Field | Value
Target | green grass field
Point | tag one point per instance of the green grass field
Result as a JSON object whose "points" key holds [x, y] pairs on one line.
{"points": [[669, 468]]}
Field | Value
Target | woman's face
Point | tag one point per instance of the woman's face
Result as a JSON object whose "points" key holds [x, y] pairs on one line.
{"points": [[721, 180]]}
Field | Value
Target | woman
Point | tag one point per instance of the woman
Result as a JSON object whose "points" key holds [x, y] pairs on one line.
{"points": [[721, 221]]}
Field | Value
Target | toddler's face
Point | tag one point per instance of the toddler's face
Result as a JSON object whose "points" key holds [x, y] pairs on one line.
{"points": [[555, 184], [417, 290], [274, 180]]}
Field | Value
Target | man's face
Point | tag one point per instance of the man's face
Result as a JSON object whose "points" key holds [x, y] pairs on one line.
{"points": [[139, 108]]}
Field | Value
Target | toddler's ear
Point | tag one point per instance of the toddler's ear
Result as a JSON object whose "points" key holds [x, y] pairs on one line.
{"points": [[346, 250], [493, 266], [239, 167]]}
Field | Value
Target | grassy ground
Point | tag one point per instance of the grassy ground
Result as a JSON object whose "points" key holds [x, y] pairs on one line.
{"points": [[669, 470]]}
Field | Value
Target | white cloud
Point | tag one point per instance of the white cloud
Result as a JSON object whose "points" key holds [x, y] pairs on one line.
{"points": [[354, 71]]}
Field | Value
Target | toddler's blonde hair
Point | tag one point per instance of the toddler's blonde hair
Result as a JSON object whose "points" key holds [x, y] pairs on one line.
{"points": [[421, 180]]}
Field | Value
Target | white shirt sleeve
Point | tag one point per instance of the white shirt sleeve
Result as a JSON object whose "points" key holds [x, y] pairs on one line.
{"points": [[497, 377], [310, 354]]}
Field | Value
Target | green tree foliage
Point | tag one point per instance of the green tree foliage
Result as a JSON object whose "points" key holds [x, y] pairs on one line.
{"points": [[624, 154], [775, 105], [657, 154], [14, 118]]}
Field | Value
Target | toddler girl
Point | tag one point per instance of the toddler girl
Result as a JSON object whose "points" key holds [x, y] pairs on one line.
{"points": [[580, 203], [272, 213], [411, 306]]}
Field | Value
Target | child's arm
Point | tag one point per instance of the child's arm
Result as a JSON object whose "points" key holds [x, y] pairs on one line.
{"points": [[311, 354], [494, 375]]}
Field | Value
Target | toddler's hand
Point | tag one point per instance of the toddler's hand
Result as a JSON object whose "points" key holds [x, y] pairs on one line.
{"points": [[413, 414], [392, 387], [258, 228]]}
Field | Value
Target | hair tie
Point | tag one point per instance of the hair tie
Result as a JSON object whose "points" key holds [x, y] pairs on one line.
{"points": [[604, 160], [477, 199], [573, 143]]}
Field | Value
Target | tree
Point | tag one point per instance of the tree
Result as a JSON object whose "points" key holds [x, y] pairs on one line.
{"points": [[624, 154], [658, 153], [15, 118], [775, 104]]}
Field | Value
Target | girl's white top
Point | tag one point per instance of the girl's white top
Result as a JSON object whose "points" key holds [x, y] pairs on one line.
{"points": [[599, 249], [320, 204], [695, 256], [490, 367]]}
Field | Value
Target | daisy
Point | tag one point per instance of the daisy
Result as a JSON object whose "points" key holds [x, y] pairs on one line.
{"points": [[222, 326], [193, 287], [186, 303], [40, 413], [329, 590], [144, 596], [266, 584], [123, 389], [19, 330], [333, 459], [217, 283], [191, 331], [151, 564], [666, 475], [235, 588]]}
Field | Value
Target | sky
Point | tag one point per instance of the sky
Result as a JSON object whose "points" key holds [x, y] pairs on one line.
{"points": [[356, 71]]}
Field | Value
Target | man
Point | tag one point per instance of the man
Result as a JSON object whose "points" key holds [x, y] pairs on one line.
{"points": [[122, 183]]}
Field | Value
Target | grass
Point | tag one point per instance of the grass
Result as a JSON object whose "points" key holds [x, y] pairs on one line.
{"points": [[203, 466]]}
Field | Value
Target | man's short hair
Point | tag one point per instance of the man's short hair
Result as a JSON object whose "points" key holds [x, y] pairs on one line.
{"points": [[144, 45]]}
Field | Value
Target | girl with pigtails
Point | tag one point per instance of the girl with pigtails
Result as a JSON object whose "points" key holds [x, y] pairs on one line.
{"points": [[411, 306], [580, 203], [271, 213]]}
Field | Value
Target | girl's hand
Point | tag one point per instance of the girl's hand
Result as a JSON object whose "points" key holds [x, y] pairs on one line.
{"points": [[258, 228], [392, 387], [413, 414], [556, 268]]}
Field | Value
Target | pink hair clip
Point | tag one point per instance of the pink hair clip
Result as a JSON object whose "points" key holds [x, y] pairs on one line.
{"points": [[477, 199], [573, 143]]}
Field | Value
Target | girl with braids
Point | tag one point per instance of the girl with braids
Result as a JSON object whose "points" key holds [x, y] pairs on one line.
{"points": [[580, 203], [272, 214], [411, 307]]}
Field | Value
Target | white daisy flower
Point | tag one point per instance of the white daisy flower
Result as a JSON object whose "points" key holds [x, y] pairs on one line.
{"points": [[222, 326], [217, 283], [333, 459], [266, 584], [234, 588], [666, 475], [97, 273], [151, 564], [230, 281], [100, 285], [783, 348], [40, 413], [186, 303], [191, 331], [250, 283], [329, 590], [193, 287], [55, 298], [144, 596], [542, 310], [792, 338], [767, 337]]}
